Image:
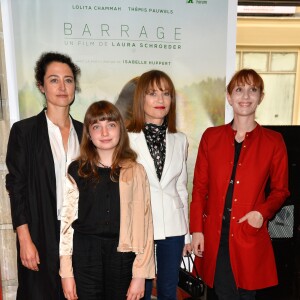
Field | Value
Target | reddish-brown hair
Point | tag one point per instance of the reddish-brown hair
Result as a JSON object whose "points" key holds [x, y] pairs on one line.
{"points": [[89, 157], [246, 76], [145, 83]]}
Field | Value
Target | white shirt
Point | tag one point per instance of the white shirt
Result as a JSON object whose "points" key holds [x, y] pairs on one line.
{"points": [[61, 158]]}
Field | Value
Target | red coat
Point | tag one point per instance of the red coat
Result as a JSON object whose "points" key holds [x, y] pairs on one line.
{"points": [[263, 156]]}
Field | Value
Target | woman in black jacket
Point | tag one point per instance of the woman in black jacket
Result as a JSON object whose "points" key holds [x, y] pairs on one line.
{"points": [[39, 151]]}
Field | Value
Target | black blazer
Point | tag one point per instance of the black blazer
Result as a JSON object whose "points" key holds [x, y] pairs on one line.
{"points": [[32, 190]]}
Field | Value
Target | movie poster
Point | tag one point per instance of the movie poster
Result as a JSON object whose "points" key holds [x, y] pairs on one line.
{"points": [[115, 41]]}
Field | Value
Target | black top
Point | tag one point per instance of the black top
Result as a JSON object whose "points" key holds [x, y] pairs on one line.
{"points": [[156, 141], [99, 204], [228, 200]]}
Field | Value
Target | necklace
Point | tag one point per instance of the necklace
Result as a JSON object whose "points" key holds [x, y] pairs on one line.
{"points": [[104, 166]]}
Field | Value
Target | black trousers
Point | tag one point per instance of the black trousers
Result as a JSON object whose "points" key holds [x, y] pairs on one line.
{"points": [[224, 283], [100, 271]]}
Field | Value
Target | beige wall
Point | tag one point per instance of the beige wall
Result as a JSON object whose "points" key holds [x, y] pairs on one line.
{"points": [[280, 34], [7, 235], [268, 32]]}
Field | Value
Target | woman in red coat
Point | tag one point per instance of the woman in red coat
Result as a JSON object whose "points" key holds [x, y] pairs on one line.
{"points": [[229, 208]]}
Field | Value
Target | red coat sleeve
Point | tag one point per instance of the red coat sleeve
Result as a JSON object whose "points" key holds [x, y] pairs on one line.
{"points": [[278, 181]]}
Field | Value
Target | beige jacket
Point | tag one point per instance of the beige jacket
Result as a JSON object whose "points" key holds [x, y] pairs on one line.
{"points": [[136, 227]]}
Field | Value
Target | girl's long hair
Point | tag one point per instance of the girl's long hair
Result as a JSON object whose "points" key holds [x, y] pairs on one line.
{"points": [[145, 82], [89, 157]]}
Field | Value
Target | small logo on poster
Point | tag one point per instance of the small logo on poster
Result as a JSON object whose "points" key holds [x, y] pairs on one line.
{"points": [[196, 1]]}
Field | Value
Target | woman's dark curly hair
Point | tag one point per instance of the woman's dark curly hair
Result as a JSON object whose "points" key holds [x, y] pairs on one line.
{"points": [[50, 57]]}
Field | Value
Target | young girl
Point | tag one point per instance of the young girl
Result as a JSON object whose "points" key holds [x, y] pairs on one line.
{"points": [[106, 224]]}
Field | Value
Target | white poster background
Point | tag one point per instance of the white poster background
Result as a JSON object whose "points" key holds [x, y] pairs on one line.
{"points": [[114, 41]]}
